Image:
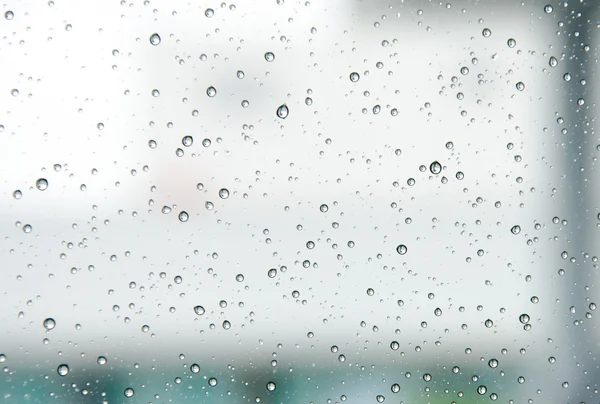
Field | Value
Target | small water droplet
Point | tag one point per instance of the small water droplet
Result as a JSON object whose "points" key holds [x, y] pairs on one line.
{"points": [[516, 229], [493, 363], [486, 32], [354, 77], [212, 382], [553, 62], [272, 273], [271, 386], [224, 193], [129, 392], [187, 141], [380, 398], [520, 86], [209, 12], [154, 40], [211, 91], [27, 228], [9, 15], [548, 9], [101, 360], [17, 194], [195, 368], [511, 43], [199, 310], [395, 388], [324, 208], [481, 390], [524, 318]]}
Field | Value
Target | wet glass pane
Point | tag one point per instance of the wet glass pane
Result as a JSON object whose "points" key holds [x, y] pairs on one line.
{"points": [[299, 202]]}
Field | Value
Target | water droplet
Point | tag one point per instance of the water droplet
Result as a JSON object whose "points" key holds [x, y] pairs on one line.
{"points": [[224, 193], [240, 74], [27, 228], [272, 273], [548, 9], [552, 359], [211, 91], [2, 358], [209, 12], [394, 345], [565, 385], [520, 86], [437, 312], [17, 194], [511, 43], [271, 386], [486, 32], [455, 369], [183, 216], [395, 388], [283, 111], [152, 144], [9, 15], [464, 70], [212, 382], [269, 56], [354, 77], [62, 370], [567, 77], [41, 184], [370, 291], [524, 318], [488, 323], [101, 360], [199, 310], [380, 398], [516, 229], [401, 249], [195, 368], [187, 141], [129, 392], [324, 208], [166, 210], [493, 363], [49, 324], [154, 40], [435, 167], [553, 62]]}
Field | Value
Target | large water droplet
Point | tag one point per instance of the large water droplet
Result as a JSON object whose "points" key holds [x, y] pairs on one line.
{"points": [[553, 62], [354, 77], [516, 229], [511, 43], [199, 310], [481, 390], [283, 111], [271, 386], [62, 370], [49, 323], [524, 318], [395, 388], [402, 249], [211, 91], [101, 360], [17, 194], [269, 56], [435, 167], [129, 392], [212, 382], [486, 32], [195, 368], [41, 184], [9, 15], [155, 39], [187, 141], [548, 9], [224, 193], [183, 216], [520, 86]]}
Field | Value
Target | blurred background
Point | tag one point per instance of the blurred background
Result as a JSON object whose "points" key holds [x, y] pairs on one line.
{"points": [[299, 202]]}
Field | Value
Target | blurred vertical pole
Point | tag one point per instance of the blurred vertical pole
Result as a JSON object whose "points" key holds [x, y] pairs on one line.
{"points": [[581, 200]]}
